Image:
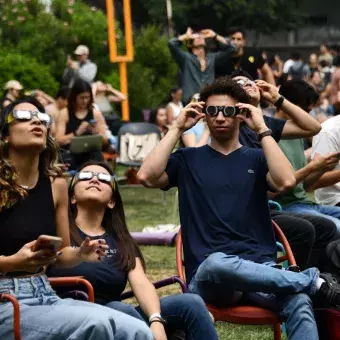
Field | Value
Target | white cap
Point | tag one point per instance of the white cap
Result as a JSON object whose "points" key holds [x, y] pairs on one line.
{"points": [[82, 49], [13, 84]]}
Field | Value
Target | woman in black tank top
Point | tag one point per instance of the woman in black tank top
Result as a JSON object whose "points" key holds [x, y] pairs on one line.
{"points": [[34, 201], [79, 119]]}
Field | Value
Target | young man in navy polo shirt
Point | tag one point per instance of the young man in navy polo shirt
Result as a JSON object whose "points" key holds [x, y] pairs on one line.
{"points": [[228, 239]]}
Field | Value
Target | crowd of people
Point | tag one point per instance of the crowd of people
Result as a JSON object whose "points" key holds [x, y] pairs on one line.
{"points": [[239, 128]]}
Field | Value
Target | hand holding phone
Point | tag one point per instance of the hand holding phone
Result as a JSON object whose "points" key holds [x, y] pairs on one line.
{"points": [[48, 242]]}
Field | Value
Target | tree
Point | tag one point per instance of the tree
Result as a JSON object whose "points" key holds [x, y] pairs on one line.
{"points": [[153, 72], [265, 16]]}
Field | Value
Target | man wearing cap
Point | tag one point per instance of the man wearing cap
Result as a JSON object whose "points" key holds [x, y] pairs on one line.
{"points": [[84, 68], [11, 92]]}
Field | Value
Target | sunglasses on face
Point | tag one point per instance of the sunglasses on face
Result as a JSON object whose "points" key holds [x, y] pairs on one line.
{"points": [[26, 115], [102, 177], [227, 111], [245, 82]]}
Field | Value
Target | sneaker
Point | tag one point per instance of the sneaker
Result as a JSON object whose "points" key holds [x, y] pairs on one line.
{"points": [[329, 291]]}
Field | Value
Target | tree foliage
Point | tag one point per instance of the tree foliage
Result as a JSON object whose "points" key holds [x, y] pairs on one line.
{"points": [[264, 16]]}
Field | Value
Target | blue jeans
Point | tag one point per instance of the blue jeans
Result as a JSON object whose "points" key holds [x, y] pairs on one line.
{"points": [[327, 211], [43, 315], [222, 280], [184, 311]]}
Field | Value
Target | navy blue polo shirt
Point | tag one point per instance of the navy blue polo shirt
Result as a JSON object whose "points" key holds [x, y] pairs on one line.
{"points": [[248, 137], [223, 204]]}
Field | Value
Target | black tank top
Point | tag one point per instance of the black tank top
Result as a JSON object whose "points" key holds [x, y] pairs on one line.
{"points": [[29, 218], [74, 122]]}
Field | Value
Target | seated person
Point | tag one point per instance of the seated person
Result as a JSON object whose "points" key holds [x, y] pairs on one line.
{"points": [[308, 235], [59, 104], [327, 141], [34, 202], [302, 94], [159, 117], [97, 212], [79, 119], [175, 105], [228, 239]]}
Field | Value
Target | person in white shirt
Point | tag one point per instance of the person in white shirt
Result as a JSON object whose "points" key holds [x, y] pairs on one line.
{"points": [[175, 104], [328, 140]]}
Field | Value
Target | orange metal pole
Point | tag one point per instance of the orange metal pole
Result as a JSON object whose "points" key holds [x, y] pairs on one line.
{"points": [[121, 59], [128, 29], [124, 89]]}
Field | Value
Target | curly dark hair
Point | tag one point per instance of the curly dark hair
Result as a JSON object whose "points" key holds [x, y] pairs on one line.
{"points": [[10, 191], [225, 86]]}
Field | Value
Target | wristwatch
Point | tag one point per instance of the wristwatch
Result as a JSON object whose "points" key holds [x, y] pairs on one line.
{"points": [[279, 102], [156, 317], [265, 134]]}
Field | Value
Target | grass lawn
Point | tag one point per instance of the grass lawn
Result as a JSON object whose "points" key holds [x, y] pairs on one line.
{"points": [[148, 207]]}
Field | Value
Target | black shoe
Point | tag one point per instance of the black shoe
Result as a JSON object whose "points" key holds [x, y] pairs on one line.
{"points": [[329, 291]]}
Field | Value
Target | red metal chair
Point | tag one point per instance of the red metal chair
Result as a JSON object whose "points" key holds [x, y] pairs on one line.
{"points": [[243, 315], [55, 282]]}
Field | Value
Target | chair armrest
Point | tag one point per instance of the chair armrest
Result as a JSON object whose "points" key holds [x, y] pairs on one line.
{"points": [[160, 284], [16, 313], [73, 281]]}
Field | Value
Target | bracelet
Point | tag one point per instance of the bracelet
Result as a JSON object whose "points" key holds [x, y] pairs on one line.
{"points": [[162, 321]]}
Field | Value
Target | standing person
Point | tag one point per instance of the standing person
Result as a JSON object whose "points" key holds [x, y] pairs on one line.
{"points": [[313, 63], [97, 212], [11, 92], [159, 117], [83, 69], [78, 119], [245, 58], [33, 202], [230, 249], [175, 104], [298, 70], [325, 55], [276, 65], [197, 66]]}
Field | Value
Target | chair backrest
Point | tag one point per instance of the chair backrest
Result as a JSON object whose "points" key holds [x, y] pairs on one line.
{"points": [[135, 141], [279, 233]]}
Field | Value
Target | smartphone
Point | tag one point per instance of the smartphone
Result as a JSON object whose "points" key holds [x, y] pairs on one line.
{"points": [[92, 122], [48, 242]]}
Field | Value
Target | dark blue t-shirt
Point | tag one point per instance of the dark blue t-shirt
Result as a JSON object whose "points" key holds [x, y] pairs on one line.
{"points": [[249, 138], [223, 204], [107, 280]]}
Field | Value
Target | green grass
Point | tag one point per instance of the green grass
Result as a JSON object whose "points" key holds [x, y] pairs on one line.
{"points": [[145, 207]]}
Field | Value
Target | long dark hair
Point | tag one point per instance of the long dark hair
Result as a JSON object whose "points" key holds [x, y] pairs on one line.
{"points": [[79, 86], [114, 223], [10, 191]]}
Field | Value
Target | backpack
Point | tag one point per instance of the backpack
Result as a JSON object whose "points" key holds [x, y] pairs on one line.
{"points": [[297, 72]]}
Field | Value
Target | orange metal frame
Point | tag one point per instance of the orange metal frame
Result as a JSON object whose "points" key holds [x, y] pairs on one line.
{"points": [[121, 59]]}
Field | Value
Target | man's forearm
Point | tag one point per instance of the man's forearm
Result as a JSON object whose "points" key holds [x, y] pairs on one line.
{"points": [[327, 179], [279, 167], [155, 163], [300, 117]]}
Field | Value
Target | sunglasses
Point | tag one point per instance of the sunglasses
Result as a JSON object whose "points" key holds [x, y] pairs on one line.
{"points": [[26, 115], [88, 175], [244, 82], [227, 111]]}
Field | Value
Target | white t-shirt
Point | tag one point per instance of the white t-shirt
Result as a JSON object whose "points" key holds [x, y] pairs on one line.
{"points": [[287, 65], [328, 140], [176, 109]]}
